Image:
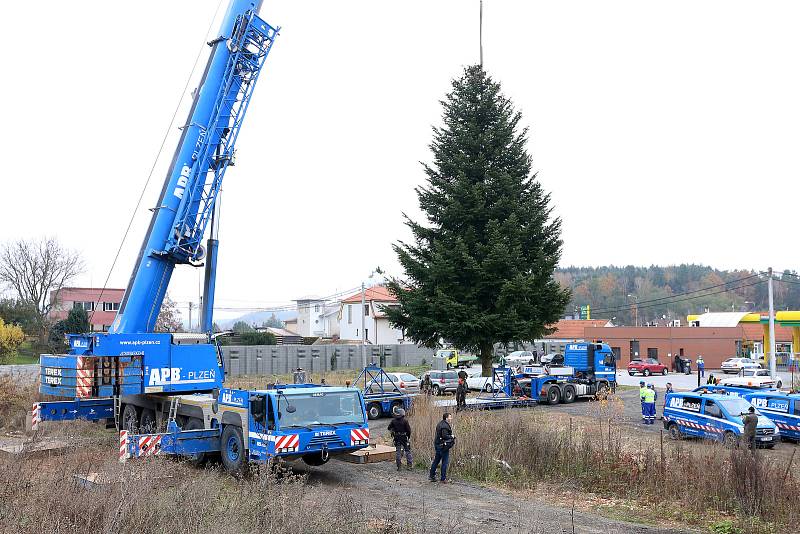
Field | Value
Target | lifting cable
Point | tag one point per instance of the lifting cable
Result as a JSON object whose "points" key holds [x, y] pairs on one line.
{"points": [[155, 161]]}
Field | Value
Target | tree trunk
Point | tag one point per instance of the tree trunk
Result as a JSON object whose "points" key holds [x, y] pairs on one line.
{"points": [[487, 355]]}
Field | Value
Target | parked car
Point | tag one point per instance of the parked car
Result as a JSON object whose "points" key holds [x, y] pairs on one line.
{"points": [[520, 357], [441, 381], [734, 365], [553, 358], [753, 377], [484, 383], [647, 367], [406, 382]]}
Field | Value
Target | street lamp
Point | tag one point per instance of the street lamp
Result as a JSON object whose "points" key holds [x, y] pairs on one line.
{"points": [[376, 270]]}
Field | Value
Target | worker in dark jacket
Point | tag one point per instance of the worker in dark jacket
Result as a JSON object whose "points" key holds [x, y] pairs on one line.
{"points": [[442, 443], [401, 433], [461, 394], [750, 420]]}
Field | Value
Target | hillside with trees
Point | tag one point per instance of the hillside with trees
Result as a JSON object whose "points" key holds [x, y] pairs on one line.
{"points": [[672, 292]]}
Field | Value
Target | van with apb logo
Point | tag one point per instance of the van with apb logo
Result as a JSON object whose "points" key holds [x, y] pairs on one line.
{"points": [[714, 416], [782, 408]]}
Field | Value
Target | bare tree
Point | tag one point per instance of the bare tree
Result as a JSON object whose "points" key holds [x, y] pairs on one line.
{"points": [[169, 319], [34, 268]]}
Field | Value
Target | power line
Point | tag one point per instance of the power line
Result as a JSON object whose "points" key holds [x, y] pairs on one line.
{"points": [[668, 298]]}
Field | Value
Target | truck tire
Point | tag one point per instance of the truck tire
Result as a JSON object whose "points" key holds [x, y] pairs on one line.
{"points": [[396, 405], [129, 419], [674, 431], [193, 423], [147, 421], [602, 390], [646, 372], [437, 390], [730, 440], [553, 395], [374, 410], [231, 446], [569, 395]]}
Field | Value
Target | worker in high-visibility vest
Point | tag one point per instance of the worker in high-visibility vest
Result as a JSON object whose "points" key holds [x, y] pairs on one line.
{"points": [[642, 390], [649, 406]]}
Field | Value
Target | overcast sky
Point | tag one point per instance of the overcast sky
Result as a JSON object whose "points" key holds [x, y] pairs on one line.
{"points": [[667, 132]]}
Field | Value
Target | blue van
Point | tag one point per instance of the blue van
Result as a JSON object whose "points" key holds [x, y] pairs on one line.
{"points": [[782, 408], [733, 391], [714, 416]]}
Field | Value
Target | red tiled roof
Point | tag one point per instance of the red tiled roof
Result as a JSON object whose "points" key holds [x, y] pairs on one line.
{"points": [[379, 293], [574, 328]]}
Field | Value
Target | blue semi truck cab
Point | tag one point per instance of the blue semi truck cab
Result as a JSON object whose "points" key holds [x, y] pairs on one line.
{"points": [[589, 369]]}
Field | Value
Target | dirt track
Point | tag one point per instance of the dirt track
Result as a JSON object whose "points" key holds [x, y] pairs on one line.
{"points": [[460, 506]]}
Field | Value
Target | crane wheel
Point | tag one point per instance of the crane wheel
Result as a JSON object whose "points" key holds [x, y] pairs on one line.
{"points": [[569, 395], [147, 421], [129, 419], [234, 455]]}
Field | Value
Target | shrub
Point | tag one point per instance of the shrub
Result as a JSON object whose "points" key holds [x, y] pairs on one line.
{"points": [[11, 337]]}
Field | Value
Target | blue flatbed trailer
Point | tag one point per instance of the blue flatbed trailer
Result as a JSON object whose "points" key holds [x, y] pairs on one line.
{"points": [[382, 396], [501, 396]]}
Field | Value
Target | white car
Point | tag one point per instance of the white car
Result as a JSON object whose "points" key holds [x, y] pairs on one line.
{"points": [[734, 365], [483, 383], [520, 357], [759, 378]]}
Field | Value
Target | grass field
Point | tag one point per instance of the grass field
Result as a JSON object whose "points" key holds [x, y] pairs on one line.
{"points": [[27, 353]]}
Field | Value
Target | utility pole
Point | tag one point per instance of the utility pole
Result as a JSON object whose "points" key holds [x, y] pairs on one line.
{"points": [[191, 306], [363, 322], [772, 368], [480, 32]]}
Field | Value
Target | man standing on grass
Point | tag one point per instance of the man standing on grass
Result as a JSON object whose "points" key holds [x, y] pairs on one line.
{"points": [[750, 420], [401, 433], [443, 442]]}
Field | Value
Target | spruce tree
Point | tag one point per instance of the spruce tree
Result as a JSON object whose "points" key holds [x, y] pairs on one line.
{"points": [[480, 270]]}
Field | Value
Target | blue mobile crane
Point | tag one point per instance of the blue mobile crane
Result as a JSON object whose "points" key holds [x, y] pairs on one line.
{"points": [[147, 381]]}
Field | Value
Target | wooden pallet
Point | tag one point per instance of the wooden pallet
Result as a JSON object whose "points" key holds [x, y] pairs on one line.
{"points": [[369, 455], [34, 449]]}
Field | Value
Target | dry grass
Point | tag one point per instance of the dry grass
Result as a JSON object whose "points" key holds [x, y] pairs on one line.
{"points": [[16, 399], [520, 448], [165, 496]]}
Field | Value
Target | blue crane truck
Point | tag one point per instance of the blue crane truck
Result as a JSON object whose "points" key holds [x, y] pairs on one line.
{"points": [[166, 397], [589, 370]]}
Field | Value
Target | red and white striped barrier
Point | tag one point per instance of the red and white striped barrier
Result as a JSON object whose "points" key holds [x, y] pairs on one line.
{"points": [[149, 445], [36, 416], [359, 436], [287, 443], [85, 377], [784, 426], [123, 445]]}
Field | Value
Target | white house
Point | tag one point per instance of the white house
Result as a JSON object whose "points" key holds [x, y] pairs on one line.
{"points": [[314, 317], [376, 326]]}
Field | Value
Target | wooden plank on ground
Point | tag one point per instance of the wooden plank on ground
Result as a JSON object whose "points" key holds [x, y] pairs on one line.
{"points": [[372, 454], [35, 448]]}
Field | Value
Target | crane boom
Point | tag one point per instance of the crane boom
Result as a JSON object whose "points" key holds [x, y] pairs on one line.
{"points": [[205, 150]]}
